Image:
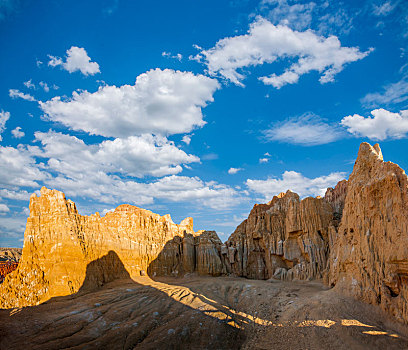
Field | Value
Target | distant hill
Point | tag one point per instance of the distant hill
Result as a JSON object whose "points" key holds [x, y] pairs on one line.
{"points": [[10, 254]]}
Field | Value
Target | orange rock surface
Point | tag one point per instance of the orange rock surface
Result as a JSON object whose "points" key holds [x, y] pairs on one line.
{"points": [[355, 238], [59, 244], [369, 254]]}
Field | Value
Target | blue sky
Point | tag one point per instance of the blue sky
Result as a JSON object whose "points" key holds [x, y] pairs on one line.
{"points": [[194, 108]]}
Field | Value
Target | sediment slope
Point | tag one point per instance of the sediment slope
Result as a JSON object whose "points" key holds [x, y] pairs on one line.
{"points": [[201, 313]]}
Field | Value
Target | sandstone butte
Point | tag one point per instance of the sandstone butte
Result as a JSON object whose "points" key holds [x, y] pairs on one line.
{"points": [[355, 239]]}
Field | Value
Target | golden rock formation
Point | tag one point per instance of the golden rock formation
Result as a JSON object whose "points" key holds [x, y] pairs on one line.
{"points": [[355, 238], [369, 254], [59, 244]]}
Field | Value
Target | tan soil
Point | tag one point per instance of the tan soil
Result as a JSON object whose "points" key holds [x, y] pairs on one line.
{"points": [[201, 313]]}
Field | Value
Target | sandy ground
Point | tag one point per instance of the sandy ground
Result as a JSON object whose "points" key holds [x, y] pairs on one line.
{"points": [[201, 313]]}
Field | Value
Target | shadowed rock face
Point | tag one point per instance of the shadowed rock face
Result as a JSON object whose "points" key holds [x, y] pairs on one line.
{"points": [[285, 238], [369, 254], [59, 244], [356, 238], [188, 254]]}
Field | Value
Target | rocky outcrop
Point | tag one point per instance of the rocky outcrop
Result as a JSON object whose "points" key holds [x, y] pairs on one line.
{"points": [[199, 253], [10, 254], [369, 255], [355, 238], [59, 245], [336, 197], [286, 238]]}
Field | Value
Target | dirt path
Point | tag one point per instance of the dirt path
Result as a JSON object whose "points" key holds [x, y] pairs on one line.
{"points": [[201, 313]]}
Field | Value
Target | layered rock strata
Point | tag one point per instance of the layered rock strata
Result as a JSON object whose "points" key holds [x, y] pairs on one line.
{"points": [[199, 253], [356, 238], [59, 244], [369, 253], [286, 238]]}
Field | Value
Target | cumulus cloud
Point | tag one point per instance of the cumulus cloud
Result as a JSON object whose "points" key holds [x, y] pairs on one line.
{"points": [[263, 160], [383, 125], [77, 59], [4, 208], [233, 171], [106, 172], [186, 139], [12, 227], [20, 195], [178, 56], [392, 94], [267, 43], [161, 102], [14, 93], [4, 116], [296, 182], [19, 169], [110, 189], [44, 86], [29, 84], [306, 130], [18, 133], [135, 156]]}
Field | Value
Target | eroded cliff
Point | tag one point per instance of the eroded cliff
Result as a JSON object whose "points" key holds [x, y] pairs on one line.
{"points": [[355, 238], [59, 245], [369, 253], [286, 238]]}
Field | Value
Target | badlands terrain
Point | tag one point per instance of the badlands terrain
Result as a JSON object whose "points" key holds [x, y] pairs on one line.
{"points": [[202, 313], [313, 273]]}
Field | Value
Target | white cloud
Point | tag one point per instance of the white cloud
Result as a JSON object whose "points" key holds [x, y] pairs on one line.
{"points": [[297, 16], [19, 169], [306, 130], [296, 182], [266, 43], [161, 102], [14, 93], [233, 171], [113, 190], [186, 139], [4, 116], [77, 60], [135, 156], [178, 56], [12, 227], [382, 125], [105, 211], [326, 17], [44, 86], [29, 84], [17, 133], [4, 208], [105, 171], [384, 9], [393, 93], [20, 195], [263, 160]]}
